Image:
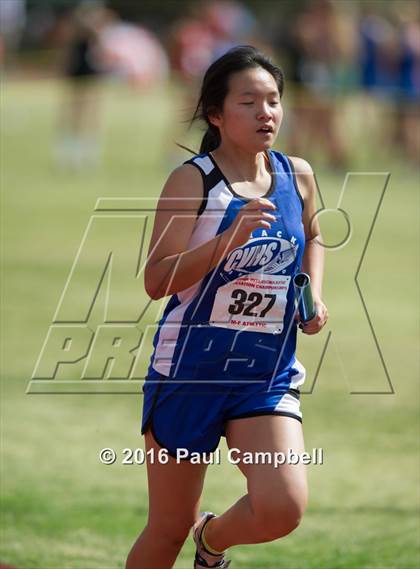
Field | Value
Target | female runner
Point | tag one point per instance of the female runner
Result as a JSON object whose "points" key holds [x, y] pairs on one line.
{"points": [[233, 225]]}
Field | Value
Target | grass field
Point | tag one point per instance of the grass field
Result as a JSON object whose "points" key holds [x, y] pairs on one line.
{"points": [[63, 509]]}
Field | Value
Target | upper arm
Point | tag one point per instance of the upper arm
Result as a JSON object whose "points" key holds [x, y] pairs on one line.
{"points": [[176, 213], [306, 183]]}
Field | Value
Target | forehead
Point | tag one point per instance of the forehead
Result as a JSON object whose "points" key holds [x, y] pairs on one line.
{"points": [[254, 81]]}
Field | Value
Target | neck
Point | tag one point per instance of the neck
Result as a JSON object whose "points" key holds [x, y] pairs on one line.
{"points": [[247, 166]]}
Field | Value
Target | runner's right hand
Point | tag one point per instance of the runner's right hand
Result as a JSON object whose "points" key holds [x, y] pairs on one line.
{"points": [[250, 217]]}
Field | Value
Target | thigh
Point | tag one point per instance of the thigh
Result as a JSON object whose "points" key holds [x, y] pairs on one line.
{"points": [[270, 434], [174, 488]]}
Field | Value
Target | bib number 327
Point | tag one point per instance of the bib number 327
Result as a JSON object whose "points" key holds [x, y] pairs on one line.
{"points": [[254, 302]]}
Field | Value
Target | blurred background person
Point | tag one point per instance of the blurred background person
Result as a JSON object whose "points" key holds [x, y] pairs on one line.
{"points": [[12, 24], [195, 41], [210, 29], [379, 48], [78, 143], [408, 115], [315, 52], [378, 59], [134, 54], [390, 72], [99, 44]]}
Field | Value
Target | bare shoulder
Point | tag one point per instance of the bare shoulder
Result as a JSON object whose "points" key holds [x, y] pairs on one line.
{"points": [[176, 212], [300, 165], [184, 181], [304, 177]]}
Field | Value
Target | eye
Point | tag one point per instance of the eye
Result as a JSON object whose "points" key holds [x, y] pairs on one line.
{"points": [[274, 103], [247, 103]]}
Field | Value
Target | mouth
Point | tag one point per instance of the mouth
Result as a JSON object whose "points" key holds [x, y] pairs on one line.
{"points": [[266, 129]]}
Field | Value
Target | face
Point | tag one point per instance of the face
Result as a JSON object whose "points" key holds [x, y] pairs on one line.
{"points": [[252, 112]]}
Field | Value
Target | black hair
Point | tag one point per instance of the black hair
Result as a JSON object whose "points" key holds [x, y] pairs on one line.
{"points": [[215, 86]]}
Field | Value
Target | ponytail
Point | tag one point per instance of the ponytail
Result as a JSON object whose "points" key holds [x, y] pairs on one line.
{"points": [[211, 139]]}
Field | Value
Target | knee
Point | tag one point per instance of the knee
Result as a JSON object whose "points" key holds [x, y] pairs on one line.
{"points": [[158, 538], [277, 516], [171, 534]]}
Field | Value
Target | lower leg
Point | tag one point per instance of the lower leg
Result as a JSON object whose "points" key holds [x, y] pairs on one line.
{"points": [[154, 550], [238, 525], [171, 513]]}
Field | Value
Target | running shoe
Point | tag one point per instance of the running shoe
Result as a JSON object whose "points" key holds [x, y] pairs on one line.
{"points": [[204, 559]]}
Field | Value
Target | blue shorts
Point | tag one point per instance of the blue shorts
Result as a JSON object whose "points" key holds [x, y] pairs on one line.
{"points": [[193, 415]]}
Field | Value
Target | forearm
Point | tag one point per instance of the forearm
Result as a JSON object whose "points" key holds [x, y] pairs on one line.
{"points": [[313, 264], [178, 272]]}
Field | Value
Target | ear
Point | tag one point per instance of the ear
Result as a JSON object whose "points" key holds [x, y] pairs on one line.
{"points": [[214, 117]]}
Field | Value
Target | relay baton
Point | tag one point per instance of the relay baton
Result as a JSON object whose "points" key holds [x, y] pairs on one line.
{"points": [[303, 295]]}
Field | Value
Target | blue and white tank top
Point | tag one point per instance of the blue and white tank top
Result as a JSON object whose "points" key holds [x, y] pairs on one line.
{"points": [[237, 323]]}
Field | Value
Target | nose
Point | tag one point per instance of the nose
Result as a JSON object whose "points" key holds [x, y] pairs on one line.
{"points": [[264, 111]]}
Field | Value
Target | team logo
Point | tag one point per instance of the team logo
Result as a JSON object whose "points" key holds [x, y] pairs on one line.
{"points": [[262, 254]]}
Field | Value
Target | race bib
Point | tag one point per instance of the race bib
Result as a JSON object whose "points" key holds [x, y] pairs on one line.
{"points": [[254, 302]]}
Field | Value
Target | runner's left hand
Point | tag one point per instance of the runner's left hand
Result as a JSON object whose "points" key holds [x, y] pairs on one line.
{"points": [[318, 322]]}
